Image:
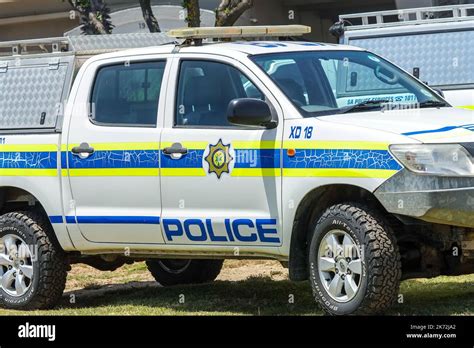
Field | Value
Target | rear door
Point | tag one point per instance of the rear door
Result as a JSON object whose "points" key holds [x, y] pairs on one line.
{"points": [[221, 183], [112, 157]]}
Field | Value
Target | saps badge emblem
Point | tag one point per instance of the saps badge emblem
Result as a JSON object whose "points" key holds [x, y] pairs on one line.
{"points": [[219, 159]]}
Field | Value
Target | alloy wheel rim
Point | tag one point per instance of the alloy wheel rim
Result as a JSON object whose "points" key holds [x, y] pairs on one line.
{"points": [[174, 266], [16, 266], [340, 265]]}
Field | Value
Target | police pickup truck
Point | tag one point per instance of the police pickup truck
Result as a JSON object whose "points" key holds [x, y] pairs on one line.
{"points": [[328, 158]]}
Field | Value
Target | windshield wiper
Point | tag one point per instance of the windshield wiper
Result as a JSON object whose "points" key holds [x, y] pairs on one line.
{"points": [[370, 104], [433, 104]]}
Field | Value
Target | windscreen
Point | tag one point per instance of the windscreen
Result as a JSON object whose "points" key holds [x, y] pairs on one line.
{"points": [[326, 82]]}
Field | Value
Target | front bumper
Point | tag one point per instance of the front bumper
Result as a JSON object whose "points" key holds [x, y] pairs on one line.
{"points": [[442, 200]]}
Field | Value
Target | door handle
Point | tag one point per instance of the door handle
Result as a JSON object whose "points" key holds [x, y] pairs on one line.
{"points": [[83, 150], [176, 151]]}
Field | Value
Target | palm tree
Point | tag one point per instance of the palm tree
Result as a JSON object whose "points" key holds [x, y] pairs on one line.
{"points": [[229, 11], [149, 17], [94, 16], [194, 12]]}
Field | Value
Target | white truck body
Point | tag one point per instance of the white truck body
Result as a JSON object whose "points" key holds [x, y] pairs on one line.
{"points": [[115, 197], [164, 189]]}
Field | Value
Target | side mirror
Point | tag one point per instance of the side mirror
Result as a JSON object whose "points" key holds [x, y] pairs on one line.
{"points": [[250, 112], [439, 91]]}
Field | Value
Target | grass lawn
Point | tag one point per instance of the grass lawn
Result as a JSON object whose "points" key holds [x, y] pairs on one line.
{"points": [[243, 288]]}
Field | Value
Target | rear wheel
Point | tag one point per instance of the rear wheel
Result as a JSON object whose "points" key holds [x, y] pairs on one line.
{"points": [[176, 272], [354, 261], [33, 268]]}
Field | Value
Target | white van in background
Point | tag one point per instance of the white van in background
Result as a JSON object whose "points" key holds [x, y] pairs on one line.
{"points": [[435, 44]]}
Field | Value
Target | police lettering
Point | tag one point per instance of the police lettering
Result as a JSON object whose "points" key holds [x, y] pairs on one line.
{"points": [[239, 230]]}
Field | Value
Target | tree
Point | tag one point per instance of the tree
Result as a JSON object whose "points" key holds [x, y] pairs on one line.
{"points": [[149, 17], [194, 12], [229, 11], [95, 16]]}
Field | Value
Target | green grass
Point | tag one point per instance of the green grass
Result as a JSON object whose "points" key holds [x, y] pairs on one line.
{"points": [[130, 291]]}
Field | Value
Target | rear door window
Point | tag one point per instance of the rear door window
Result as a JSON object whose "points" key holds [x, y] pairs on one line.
{"points": [[127, 94]]}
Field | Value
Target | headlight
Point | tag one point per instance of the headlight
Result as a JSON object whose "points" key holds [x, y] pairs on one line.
{"points": [[436, 159]]}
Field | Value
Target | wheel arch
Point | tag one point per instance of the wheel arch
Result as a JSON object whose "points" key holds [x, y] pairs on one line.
{"points": [[309, 209], [13, 198]]}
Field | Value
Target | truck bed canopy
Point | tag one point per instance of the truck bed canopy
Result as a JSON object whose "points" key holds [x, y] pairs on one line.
{"points": [[36, 75]]}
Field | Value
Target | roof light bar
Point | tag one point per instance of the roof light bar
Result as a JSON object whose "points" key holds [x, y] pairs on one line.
{"points": [[239, 32]]}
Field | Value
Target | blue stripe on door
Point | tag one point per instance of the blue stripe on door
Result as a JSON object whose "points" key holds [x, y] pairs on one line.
{"points": [[261, 158], [116, 159], [193, 159], [125, 220], [252, 158]]}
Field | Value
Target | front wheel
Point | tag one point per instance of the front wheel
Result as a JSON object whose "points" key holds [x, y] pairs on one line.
{"points": [[354, 262], [169, 272]]}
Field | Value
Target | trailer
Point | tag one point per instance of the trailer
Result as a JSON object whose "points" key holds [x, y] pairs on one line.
{"points": [[435, 44]]}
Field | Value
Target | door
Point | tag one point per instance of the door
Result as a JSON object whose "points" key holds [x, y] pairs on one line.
{"points": [[221, 183], [112, 157]]}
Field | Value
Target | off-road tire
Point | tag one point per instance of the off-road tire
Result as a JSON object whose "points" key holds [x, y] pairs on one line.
{"points": [[381, 265], [196, 272], [49, 268]]}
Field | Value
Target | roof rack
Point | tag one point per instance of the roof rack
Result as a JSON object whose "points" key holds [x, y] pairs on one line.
{"points": [[49, 45], [95, 44], [84, 44], [424, 15]]}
